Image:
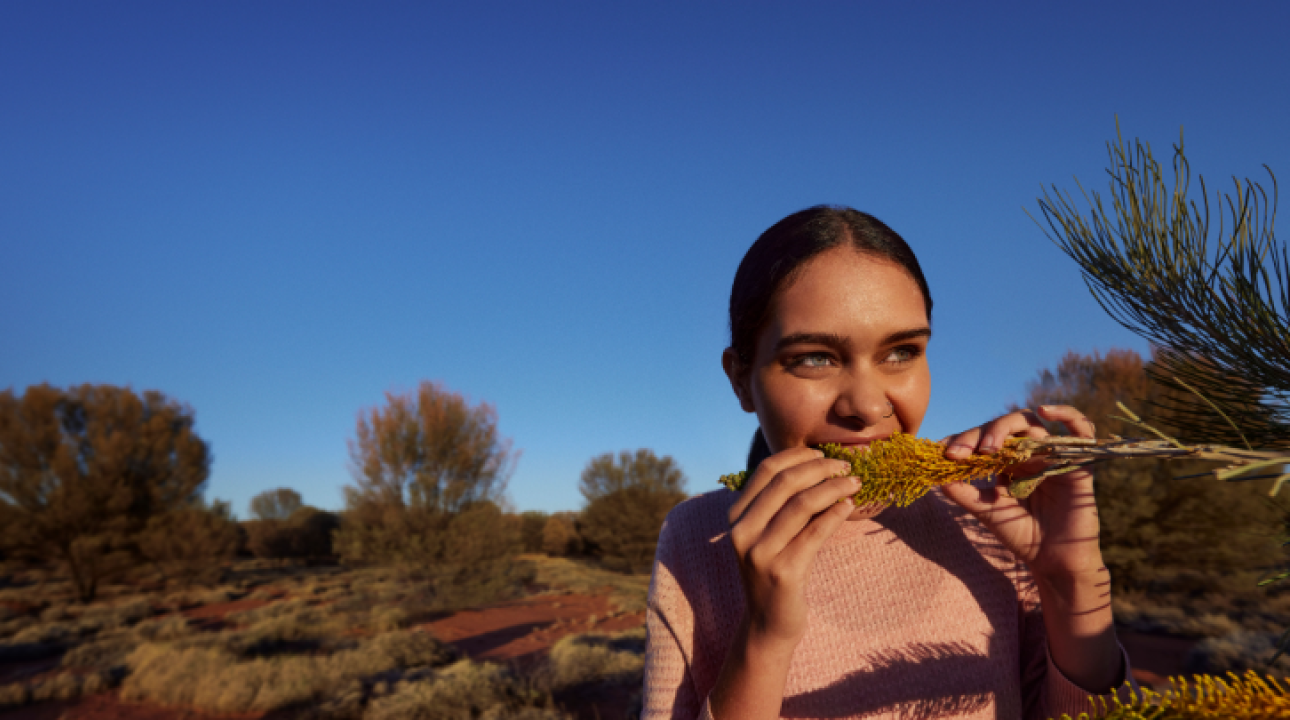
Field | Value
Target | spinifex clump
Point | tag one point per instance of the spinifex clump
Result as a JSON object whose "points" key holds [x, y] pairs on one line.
{"points": [[901, 469]]}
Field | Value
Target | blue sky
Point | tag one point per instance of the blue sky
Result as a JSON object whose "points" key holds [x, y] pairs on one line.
{"points": [[277, 212]]}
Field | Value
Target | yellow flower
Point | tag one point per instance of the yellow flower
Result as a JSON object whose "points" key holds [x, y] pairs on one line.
{"points": [[901, 469], [1205, 698]]}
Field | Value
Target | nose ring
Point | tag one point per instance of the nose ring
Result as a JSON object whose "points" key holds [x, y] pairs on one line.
{"points": [[890, 407]]}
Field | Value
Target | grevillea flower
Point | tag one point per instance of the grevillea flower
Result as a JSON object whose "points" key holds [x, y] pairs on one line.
{"points": [[1205, 698], [899, 470]]}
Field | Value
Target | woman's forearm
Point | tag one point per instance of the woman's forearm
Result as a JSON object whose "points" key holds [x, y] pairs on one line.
{"points": [[1081, 629], [751, 683]]}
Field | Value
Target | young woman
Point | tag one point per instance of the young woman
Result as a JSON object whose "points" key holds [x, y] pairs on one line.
{"points": [[785, 600]]}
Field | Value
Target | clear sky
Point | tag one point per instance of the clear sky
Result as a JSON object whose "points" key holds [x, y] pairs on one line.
{"points": [[277, 212]]}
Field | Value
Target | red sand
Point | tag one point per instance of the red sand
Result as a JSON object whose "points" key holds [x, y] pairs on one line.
{"points": [[519, 632]]}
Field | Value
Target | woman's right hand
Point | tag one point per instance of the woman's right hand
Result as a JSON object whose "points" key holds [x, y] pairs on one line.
{"points": [[787, 509]]}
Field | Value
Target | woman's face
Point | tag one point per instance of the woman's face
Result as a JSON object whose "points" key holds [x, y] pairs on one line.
{"points": [[843, 358]]}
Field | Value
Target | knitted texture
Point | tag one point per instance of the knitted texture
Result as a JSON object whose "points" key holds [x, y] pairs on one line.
{"points": [[915, 613]]}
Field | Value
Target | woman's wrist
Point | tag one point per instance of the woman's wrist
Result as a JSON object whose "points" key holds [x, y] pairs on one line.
{"points": [[752, 679], [1081, 628]]}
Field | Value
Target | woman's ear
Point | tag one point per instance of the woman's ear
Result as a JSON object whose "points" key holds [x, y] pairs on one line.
{"points": [[738, 374]]}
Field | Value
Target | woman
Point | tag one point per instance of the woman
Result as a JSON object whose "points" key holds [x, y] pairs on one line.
{"points": [[785, 600]]}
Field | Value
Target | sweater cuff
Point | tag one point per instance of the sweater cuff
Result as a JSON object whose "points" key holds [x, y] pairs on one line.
{"points": [[1065, 696]]}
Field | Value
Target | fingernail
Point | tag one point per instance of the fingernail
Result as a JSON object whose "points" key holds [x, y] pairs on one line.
{"points": [[855, 480], [819, 453]]}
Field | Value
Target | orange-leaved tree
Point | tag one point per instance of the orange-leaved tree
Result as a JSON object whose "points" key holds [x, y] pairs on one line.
{"points": [[84, 470], [430, 472]]}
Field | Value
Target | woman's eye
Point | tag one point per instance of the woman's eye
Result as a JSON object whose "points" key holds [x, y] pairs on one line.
{"points": [[901, 355], [813, 360]]}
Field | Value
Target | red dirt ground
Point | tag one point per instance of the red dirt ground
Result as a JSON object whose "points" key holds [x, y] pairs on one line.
{"points": [[518, 632]]}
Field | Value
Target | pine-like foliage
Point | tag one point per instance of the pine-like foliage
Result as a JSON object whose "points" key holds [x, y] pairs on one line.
{"points": [[1205, 697], [1217, 308]]}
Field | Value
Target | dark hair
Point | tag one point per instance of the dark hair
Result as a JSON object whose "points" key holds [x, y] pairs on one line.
{"points": [[779, 254]]}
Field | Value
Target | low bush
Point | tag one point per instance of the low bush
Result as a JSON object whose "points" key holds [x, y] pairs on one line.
{"points": [[622, 527], [191, 544], [1235, 652], [560, 536], [532, 523], [218, 680], [171, 627], [306, 534], [110, 617], [65, 686], [465, 689], [594, 658]]}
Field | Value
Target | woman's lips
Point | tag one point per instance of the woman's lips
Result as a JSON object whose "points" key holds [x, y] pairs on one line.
{"points": [[848, 442]]}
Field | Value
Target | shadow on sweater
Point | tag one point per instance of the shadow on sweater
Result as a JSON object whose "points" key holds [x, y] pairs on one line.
{"points": [[934, 529], [883, 687]]}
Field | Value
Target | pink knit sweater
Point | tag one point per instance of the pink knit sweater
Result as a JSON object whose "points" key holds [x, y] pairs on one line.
{"points": [[918, 612]]}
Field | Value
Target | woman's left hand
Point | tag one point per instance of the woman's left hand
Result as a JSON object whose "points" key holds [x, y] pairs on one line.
{"points": [[1055, 530]]}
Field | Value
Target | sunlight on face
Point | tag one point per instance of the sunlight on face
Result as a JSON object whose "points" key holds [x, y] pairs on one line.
{"points": [[845, 338]]}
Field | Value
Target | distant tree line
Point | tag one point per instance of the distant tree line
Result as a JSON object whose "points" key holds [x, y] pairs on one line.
{"points": [[102, 480]]}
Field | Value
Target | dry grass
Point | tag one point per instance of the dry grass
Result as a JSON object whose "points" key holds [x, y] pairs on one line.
{"points": [[331, 644], [627, 593], [465, 689], [594, 658], [219, 680]]}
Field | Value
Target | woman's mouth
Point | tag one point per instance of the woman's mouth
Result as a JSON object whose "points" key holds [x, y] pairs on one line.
{"points": [[852, 442]]}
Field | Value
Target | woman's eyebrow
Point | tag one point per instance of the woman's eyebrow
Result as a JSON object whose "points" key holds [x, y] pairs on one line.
{"points": [[832, 340], [904, 335]]}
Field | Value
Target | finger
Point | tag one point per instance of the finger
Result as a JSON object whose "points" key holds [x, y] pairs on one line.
{"points": [[748, 528], [995, 432], [960, 446], [1074, 420], [798, 511], [805, 547], [765, 472], [990, 505]]}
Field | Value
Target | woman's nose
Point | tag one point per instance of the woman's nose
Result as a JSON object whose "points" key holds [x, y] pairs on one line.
{"points": [[865, 402]]}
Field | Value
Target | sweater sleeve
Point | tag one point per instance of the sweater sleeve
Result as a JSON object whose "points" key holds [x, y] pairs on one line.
{"points": [[669, 690], [1046, 692]]}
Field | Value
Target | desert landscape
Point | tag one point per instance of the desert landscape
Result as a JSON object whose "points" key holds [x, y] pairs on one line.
{"points": [[295, 640]]}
